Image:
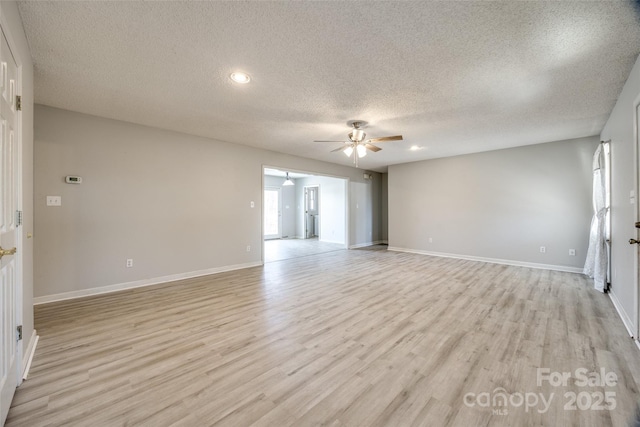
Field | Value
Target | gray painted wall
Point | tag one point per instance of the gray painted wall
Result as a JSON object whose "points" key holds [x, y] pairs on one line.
{"points": [[375, 186], [384, 207], [368, 197], [174, 203], [620, 130], [500, 205], [9, 10], [288, 194]]}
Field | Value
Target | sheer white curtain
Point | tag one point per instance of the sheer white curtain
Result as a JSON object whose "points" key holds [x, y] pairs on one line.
{"points": [[597, 262]]}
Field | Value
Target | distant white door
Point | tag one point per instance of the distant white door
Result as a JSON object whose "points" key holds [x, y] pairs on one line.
{"points": [[272, 213], [9, 183], [311, 210]]}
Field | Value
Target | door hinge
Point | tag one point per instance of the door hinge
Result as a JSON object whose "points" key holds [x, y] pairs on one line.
{"points": [[18, 103], [18, 218], [19, 332]]}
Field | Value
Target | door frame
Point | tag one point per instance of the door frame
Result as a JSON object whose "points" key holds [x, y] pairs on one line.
{"points": [[279, 235], [19, 258], [636, 185]]}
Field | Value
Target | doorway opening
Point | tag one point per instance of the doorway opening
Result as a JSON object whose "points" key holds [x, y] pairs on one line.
{"points": [[303, 214]]}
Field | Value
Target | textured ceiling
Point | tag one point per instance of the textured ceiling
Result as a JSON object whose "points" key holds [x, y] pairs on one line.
{"points": [[452, 77]]}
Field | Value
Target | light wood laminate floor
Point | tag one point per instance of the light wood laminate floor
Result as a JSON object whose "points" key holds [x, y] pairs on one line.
{"points": [[281, 249], [348, 338]]}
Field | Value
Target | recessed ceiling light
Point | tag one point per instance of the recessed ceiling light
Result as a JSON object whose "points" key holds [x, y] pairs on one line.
{"points": [[240, 77], [415, 148]]}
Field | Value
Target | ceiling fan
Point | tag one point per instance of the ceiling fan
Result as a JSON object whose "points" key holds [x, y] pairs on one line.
{"points": [[357, 145]]}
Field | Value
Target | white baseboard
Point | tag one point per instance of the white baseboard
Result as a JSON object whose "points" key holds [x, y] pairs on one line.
{"points": [[490, 260], [364, 245], [623, 314], [28, 355], [140, 283]]}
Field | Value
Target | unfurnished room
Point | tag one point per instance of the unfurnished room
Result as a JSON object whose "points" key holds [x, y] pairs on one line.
{"points": [[304, 213]]}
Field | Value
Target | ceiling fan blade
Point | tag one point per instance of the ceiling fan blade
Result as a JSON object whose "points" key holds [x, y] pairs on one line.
{"points": [[372, 147], [331, 141], [386, 138], [338, 149]]}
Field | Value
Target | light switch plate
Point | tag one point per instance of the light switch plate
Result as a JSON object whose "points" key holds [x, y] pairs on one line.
{"points": [[54, 201]]}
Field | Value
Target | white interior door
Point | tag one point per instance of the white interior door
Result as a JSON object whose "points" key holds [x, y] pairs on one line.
{"points": [[9, 182], [311, 210], [272, 213]]}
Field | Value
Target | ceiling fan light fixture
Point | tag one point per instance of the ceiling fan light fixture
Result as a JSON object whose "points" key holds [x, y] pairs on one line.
{"points": [[288, 181], [240, 77], [357, 146], [348, 151], [357, 135]]}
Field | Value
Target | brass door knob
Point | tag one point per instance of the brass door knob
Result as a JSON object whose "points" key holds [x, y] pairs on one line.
{"points": [[633, 241], [4, 252]]}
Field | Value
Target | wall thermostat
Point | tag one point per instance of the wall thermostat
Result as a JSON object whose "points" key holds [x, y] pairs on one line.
{"points": [[71, 179]]}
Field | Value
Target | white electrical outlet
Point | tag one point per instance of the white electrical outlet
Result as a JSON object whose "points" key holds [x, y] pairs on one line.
{"points": [[129, 263], [543, 250], [572, 252], [248, 248], [253, 205], [54, 201]]}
